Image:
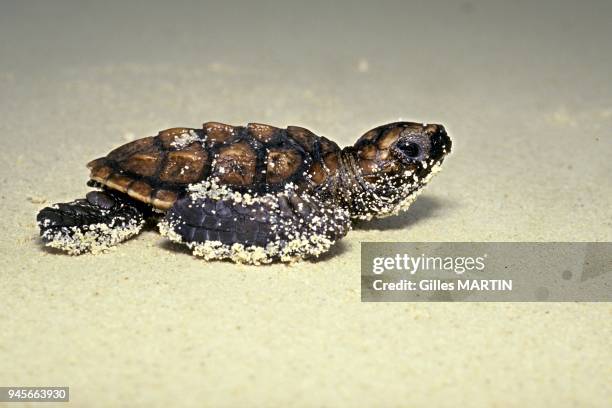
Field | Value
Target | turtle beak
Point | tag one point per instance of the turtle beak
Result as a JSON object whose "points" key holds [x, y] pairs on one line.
{"points": [[441, 143]]}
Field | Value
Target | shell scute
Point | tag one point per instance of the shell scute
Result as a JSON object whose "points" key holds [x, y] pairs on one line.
{"points": [[217, 132], [235, 164], [263, 133], [282, 164], [168, 136], [163, 199], [100, 172], [124, 152], [142, 163], [184, 166], [140, 191], [303, 137], [118, 182]]}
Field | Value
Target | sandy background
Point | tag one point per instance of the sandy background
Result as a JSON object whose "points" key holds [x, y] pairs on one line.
{"points": [[524, 89]]}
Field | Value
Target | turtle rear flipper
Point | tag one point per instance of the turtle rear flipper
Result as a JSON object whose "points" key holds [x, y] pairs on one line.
{"points": [[93, 224], [285, 226]]}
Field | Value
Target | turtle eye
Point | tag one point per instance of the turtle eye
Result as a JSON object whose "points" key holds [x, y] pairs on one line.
{"points": [[410, 149]]}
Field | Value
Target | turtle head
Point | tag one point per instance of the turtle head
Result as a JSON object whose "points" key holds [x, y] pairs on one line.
{"points": [[392, 163]]}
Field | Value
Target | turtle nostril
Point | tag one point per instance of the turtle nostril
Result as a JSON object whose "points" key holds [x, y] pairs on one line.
{"points": [[438, 137]]}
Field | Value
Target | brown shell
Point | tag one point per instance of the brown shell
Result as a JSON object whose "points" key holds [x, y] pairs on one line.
{"points": [[256, 158]]}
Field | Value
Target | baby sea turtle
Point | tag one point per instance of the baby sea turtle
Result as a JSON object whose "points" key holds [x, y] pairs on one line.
{"points": [[252, 193]]}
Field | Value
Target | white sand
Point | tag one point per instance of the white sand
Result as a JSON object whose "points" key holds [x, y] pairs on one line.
{"points": [[524, 91]]}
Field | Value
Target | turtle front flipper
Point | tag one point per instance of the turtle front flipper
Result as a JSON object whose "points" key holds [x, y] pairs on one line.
{"points": [[93, 224], [285, 226]]}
